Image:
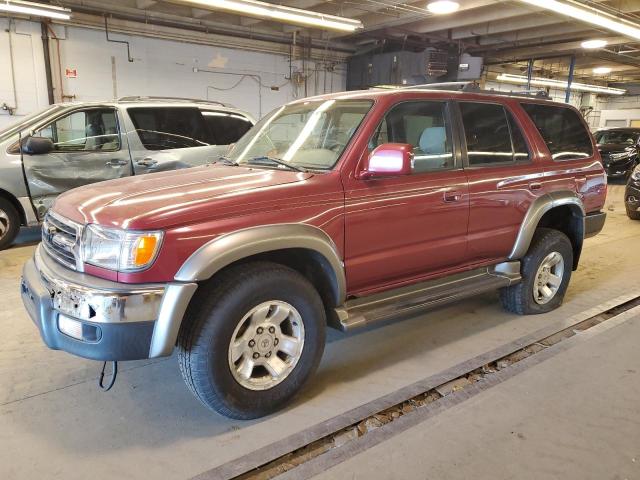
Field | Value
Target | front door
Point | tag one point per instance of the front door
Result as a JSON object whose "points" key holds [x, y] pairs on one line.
{"points": [[401, 229], [88, 148]]}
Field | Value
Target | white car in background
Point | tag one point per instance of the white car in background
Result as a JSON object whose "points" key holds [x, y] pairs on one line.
{"points": [[73, 144]]}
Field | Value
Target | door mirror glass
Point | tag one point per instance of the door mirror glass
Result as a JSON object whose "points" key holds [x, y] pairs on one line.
{"points": [[387, 160], [37, 145]]}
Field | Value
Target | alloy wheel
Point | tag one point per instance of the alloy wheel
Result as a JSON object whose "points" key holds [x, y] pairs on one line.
{"points": [[266, 345], [5, 223], [548, 278]]}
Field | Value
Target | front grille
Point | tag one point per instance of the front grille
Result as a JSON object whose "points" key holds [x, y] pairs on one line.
{"points": [[60, 238]]}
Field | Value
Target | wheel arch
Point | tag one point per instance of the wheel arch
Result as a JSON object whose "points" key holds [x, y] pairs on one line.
{"points": [[304, 248], [16, 203], [563, 211]]}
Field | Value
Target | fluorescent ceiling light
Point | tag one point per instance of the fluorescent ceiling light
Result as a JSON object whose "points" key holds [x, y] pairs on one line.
{"points": [[601, 70], [592, 44], [259, 9], [37, 9], [589, 15], [561, 84], [442, 7]]}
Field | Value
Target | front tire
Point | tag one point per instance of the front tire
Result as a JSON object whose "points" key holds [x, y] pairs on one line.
{"points": [[255, 335], [9, 223], [546, 271]]}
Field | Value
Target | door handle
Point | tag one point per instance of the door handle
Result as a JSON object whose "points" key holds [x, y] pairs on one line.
{"points": [[116, 163], [535, 186], [146, 162], [452, 196]]}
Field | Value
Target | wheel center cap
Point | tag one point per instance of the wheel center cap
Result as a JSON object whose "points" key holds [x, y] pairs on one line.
{"points": [[264, 343]]}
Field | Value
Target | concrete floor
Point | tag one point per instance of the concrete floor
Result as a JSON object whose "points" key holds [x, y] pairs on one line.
{"points": [[56, 423]]}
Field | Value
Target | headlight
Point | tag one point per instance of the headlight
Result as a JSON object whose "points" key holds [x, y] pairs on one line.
{"points": [[619, 156], [636, 173], [119, 250]]}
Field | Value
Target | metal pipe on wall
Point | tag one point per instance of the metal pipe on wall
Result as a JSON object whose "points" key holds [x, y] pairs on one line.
{"points": [[47, 61], [572, 67]]}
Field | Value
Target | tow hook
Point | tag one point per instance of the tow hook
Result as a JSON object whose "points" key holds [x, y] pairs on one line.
{"points": [[114, 374]]}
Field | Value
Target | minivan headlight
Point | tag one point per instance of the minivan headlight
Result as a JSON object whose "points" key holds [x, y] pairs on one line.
{"points": [[636, 173], [119, 250]]}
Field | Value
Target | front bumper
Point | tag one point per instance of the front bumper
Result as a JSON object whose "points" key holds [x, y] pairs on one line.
{"points": [[620, 169], [110, 320], [632, 196]]}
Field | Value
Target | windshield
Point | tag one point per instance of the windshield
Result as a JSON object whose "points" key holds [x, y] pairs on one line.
{"points": [[310, 135], [616, 136], [27, 121]]}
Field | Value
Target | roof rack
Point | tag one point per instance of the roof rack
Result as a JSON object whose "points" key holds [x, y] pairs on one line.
{"points": [[474, 87], [140, 98]]}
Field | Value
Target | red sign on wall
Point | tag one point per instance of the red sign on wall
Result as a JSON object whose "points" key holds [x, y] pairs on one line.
{"points": [[71, 73]]}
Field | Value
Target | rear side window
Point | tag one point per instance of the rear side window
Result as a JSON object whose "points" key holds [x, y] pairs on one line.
{"points": [[492, 135], [225, 128], [562, 130], [170, 127]]}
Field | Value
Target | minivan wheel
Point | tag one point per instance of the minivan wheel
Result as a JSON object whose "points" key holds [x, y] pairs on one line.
{"points": [[253, 337], [546, 271], [9, 223]]}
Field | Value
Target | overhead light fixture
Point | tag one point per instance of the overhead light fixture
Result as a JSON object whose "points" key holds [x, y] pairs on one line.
{"points": [[593, 44], [601, 70], [37, 9], [255, 8], [560, 84], [590, 15], [442, 7]]}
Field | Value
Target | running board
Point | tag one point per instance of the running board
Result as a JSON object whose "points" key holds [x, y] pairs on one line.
{"points": [[396, 303]]}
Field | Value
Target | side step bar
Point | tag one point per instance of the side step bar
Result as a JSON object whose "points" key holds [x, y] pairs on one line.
{"points": [[426, 295]]}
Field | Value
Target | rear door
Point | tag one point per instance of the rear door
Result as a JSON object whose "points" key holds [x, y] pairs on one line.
{"points": [[173, 137], [504, 177], [88, 148]]}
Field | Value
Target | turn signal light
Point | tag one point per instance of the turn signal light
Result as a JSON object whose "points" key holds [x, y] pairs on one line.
{"points": [[145, 250]]}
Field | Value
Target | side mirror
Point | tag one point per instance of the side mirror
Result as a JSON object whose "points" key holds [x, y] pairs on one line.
{"points": [[388, 160], [37, 145]]}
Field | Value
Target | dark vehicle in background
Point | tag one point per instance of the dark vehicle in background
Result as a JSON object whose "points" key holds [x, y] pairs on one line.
{"points": [[632, 195], [619, 150]]}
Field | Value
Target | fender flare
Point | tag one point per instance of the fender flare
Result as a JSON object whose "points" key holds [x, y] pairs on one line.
{"points": [[536, 211], [231, 247]]}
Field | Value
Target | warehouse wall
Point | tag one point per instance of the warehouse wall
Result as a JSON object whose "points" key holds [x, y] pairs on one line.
{"points": [[160, 67]]}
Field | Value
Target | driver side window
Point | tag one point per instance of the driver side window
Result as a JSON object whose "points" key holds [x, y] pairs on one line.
{"points": [[423, 126], [84, 131]]}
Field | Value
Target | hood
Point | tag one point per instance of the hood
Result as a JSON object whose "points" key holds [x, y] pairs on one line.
{"points": [[169, 199], [614, 147]]}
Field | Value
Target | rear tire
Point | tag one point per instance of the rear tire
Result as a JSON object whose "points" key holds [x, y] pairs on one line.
{"points": [[546, 271], [242, 306], [9, 223]]}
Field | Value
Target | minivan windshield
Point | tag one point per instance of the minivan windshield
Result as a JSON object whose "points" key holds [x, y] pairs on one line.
{"points": [[308, 135], [619, 137], [27, 121]]}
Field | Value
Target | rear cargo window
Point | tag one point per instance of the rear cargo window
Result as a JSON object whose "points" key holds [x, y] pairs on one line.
{"points": [[562, 130]]}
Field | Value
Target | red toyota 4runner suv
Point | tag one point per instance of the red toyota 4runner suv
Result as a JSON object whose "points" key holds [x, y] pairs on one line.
{"points": [[339, 210]]}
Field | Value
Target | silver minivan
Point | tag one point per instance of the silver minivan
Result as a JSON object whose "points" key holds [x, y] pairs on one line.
{"points": [[72, 144]]}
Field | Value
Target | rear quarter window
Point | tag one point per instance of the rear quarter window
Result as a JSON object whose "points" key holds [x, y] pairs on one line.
{"points": [[225, 128], [562, 130]]}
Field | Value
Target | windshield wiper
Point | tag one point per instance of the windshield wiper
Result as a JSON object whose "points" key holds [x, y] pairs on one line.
{"points": [[277, 161], [226, 161]]}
